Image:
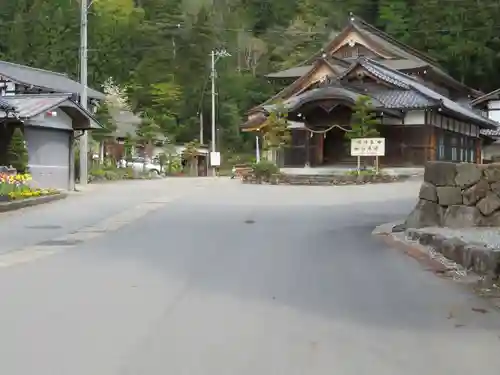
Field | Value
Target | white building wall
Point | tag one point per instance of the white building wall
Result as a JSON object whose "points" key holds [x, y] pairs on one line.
{"points": [[494, 110]]}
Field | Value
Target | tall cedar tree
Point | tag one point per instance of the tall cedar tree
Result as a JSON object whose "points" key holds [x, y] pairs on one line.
{"points": [[17, 152], [275, 131], [364, 120]]}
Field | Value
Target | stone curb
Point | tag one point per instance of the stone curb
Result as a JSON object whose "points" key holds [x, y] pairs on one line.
{"points": [[414, 252], [29, 202], [476, 257]]}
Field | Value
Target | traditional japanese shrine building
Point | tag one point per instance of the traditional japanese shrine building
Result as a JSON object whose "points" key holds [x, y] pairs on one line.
{"points": [[424, 113]]}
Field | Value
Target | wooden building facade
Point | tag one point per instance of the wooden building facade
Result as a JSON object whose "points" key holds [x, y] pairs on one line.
{"points": [[424, 114]]}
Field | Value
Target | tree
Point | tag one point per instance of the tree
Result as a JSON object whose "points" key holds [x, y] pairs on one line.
{"points": [[17, 152], [364, 120], [129, 145], [147, 133], [190, 154], [275, 131]]}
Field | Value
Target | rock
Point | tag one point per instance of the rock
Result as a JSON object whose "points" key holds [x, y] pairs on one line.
{"points": [[491, 221], [440, 173], [495, 187], [489, 204], [467, 174], [398, 228], [480, 259], [428, 192], [475, 192], [425, 214], [453, 248], [449, 195], [492, 172], [461, 217]]}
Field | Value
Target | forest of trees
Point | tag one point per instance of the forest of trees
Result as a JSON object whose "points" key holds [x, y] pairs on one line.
{"points": [[158, 50]]}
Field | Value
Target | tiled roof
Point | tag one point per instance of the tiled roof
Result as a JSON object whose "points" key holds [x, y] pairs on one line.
{"points": [[32, 105], [491, 132], [45, 79], [5, 106], [403, 64], [29, 106], [425, 91], [402, 99], [329, 92], [295, 72]]}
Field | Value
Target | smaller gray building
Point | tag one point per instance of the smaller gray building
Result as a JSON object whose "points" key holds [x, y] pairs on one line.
{"points": [[45, 105], [50, 123]]}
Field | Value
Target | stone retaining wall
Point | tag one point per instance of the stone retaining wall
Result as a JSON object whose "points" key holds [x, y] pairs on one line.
{"points": [[323, 180], [458, 195]]}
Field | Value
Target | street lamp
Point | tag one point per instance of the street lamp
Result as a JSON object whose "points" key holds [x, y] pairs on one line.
{"points": [[215, 55]]}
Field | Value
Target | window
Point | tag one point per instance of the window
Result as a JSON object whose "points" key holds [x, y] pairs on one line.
{"points": [[441, 155]]}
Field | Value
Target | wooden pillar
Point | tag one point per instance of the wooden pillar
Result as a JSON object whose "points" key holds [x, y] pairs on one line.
{"points": [[321, 145], [432, 143], [478, 151], [307, 147]]}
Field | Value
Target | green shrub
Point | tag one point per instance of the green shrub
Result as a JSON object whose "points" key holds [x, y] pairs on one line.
{"points": [[17, 152], [264, 170], [364, 172]]}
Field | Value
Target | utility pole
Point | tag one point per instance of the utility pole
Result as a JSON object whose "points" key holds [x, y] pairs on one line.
{"points": [[219, 54], [84, 141], [201, 127], [212, 55]]}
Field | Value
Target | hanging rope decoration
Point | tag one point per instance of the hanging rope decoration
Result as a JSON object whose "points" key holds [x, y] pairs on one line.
{"points": [[326, 130]]}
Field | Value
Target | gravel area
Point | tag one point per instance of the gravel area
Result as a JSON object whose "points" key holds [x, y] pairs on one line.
{"points": [[488, 237]]}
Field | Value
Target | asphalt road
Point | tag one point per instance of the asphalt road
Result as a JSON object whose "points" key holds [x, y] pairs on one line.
{"points": [[192, 277]]}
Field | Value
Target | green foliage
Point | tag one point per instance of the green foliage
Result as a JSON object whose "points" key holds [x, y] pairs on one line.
{"points": [[104, 118], [275, 131], [190, 154], [363, 121], [17, 151], [110, 173], [264, 170], [148, 131], [158, 50]]}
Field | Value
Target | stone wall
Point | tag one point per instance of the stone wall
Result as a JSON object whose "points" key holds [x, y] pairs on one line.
{"points": [[458, 196]]}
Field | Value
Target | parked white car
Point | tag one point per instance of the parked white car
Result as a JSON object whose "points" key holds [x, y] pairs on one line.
{"points": [[144, 164]]}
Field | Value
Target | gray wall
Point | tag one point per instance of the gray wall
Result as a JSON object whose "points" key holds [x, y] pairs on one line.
{"points": [[49, 156]]}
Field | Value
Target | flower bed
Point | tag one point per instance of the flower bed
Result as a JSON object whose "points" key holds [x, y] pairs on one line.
{"points": [[16, 187]]}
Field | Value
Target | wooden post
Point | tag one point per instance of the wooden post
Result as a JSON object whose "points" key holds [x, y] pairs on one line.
{"points": [[359, 164], [376, 165], [307, 148]]}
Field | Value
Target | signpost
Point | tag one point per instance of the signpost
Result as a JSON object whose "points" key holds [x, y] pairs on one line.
{"points": [[215, 159], [367, 147]]}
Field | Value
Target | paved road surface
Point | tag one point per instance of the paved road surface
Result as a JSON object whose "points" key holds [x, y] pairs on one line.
{"points": [[192, 277]]}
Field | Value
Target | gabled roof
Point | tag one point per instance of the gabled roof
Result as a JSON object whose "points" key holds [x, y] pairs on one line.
{"points": [[383, 40], [405, 57], [45, 79], [30, 106], [296, 84]]}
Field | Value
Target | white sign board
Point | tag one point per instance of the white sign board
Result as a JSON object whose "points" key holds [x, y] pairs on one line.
{"points": [[368, 147], [215, 159]]}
